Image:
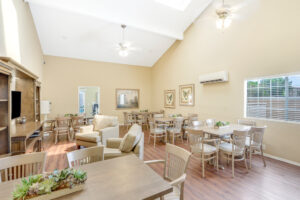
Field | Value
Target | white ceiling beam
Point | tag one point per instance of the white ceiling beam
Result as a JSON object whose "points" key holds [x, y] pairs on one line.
{"points": [[169, 34]]}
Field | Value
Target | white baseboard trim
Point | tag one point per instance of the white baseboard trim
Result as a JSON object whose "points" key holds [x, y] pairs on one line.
{"points": [[282, 159]]}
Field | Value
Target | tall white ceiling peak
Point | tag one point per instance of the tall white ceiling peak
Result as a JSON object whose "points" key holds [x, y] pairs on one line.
{"points": [[152, 26]]}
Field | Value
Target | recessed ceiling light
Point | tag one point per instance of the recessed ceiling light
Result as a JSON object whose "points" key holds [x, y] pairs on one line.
{"points": [[176, 4]]}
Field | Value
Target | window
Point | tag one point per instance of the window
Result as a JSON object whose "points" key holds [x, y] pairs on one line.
{"points": [[274, 98]]}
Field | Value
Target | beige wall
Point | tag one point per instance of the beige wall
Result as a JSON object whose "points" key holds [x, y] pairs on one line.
{"points": [[265, 42], [62, 76], [18, 36]]}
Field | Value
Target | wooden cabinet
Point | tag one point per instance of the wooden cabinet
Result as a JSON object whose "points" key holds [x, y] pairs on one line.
{"points": [[4, 111], [37, 101], [17, 138]]}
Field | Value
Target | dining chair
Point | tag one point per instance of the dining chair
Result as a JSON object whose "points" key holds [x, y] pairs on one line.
{"points": [[20, 166], [236, 149], [160, 115], [210, 122], [200, 148], [155, 132], [85, 156], [175, 165], [77, 122], [194, 124], [128, 119], [62, 128], [254, 143], [143, 120], [176, 129]]}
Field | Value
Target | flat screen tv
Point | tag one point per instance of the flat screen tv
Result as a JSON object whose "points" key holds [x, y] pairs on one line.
{"points": [[15, 104]]}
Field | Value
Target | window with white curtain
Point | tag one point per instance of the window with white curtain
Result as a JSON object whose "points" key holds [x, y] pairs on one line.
{"points": [[276, 98]]}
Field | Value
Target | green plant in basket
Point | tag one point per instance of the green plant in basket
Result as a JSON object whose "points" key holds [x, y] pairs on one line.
{"points": [[44, 184]]}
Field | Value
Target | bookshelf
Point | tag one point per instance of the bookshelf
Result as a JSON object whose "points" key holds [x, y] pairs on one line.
{"points": [[4, 112]]}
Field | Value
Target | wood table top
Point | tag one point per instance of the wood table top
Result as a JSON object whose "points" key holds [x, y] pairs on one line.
{"points": [[228, 130], [121, 178], [25, 130]]}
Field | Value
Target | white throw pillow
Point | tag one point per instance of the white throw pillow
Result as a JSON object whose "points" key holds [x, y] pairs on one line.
{"points": [[137, 131], [127, 143]]}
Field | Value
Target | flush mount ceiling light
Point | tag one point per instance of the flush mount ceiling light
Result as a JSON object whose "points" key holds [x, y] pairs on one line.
{"points": [[175, 4], [223, 13]]}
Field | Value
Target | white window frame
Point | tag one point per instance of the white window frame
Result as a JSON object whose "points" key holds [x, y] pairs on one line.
{"points": [[266, 77]]}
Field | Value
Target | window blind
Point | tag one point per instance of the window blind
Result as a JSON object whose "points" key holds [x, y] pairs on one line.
{"points": [[274, 98]]}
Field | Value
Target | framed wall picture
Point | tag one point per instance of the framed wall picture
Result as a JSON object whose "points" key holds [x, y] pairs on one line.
{"points": [[127, 98], [169, 98], [187, 95]]}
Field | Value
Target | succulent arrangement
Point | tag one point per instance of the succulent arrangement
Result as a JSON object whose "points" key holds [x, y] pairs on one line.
{"points": [[220, 123], [46, 183]]}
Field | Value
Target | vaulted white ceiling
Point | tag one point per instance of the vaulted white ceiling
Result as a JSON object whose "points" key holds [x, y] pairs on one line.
{"points": [[90, 29]]}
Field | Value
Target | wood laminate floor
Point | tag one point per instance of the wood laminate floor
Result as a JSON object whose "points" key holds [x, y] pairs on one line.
{"points": [[277, 181]]}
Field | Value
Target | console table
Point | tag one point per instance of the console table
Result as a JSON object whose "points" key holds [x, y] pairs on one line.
{"points": [[20, 137]]}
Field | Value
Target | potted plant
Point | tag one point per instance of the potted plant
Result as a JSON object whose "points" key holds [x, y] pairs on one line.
{"points": [[220, 124]]}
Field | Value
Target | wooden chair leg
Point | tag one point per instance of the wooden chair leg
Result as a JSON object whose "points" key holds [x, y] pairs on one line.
{"points": [[154, 139], [245, 160], [262, 155], [203, 168], [149, 138], [217, 160], [174, 138], [232, 161], [250, 157], [227, 159], [56, 135]]}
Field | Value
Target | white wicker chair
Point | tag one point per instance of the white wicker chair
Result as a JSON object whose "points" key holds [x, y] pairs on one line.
{"points": [[236, 149], [20, 166], [176, 129], [203, 151], [155, 132], [254, 142], [85, 156], [175, 165]]}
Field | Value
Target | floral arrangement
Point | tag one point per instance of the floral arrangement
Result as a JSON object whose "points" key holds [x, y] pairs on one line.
{"points": [[46, 183], [220, 123]]}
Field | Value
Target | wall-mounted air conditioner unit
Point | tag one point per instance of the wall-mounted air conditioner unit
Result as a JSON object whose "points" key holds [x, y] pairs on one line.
{"points": [[216, 77]]}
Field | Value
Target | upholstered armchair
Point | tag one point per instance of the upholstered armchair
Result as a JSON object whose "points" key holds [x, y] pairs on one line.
{"points": [[103, 127], [131, 143]]}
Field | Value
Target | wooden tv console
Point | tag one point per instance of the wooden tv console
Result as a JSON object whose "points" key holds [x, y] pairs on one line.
{"points": [[20, 137]]}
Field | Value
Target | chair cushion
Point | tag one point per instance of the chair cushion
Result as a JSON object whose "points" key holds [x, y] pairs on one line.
{"points": [[227, 147], [136, 130], [157, 130], [127, 143], [89, 137], [208, 149], [113, 153], [103, 121]]}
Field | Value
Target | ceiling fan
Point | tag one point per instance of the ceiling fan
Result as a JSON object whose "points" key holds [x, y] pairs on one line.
{"points": [[223, 13], [124, 47]]}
